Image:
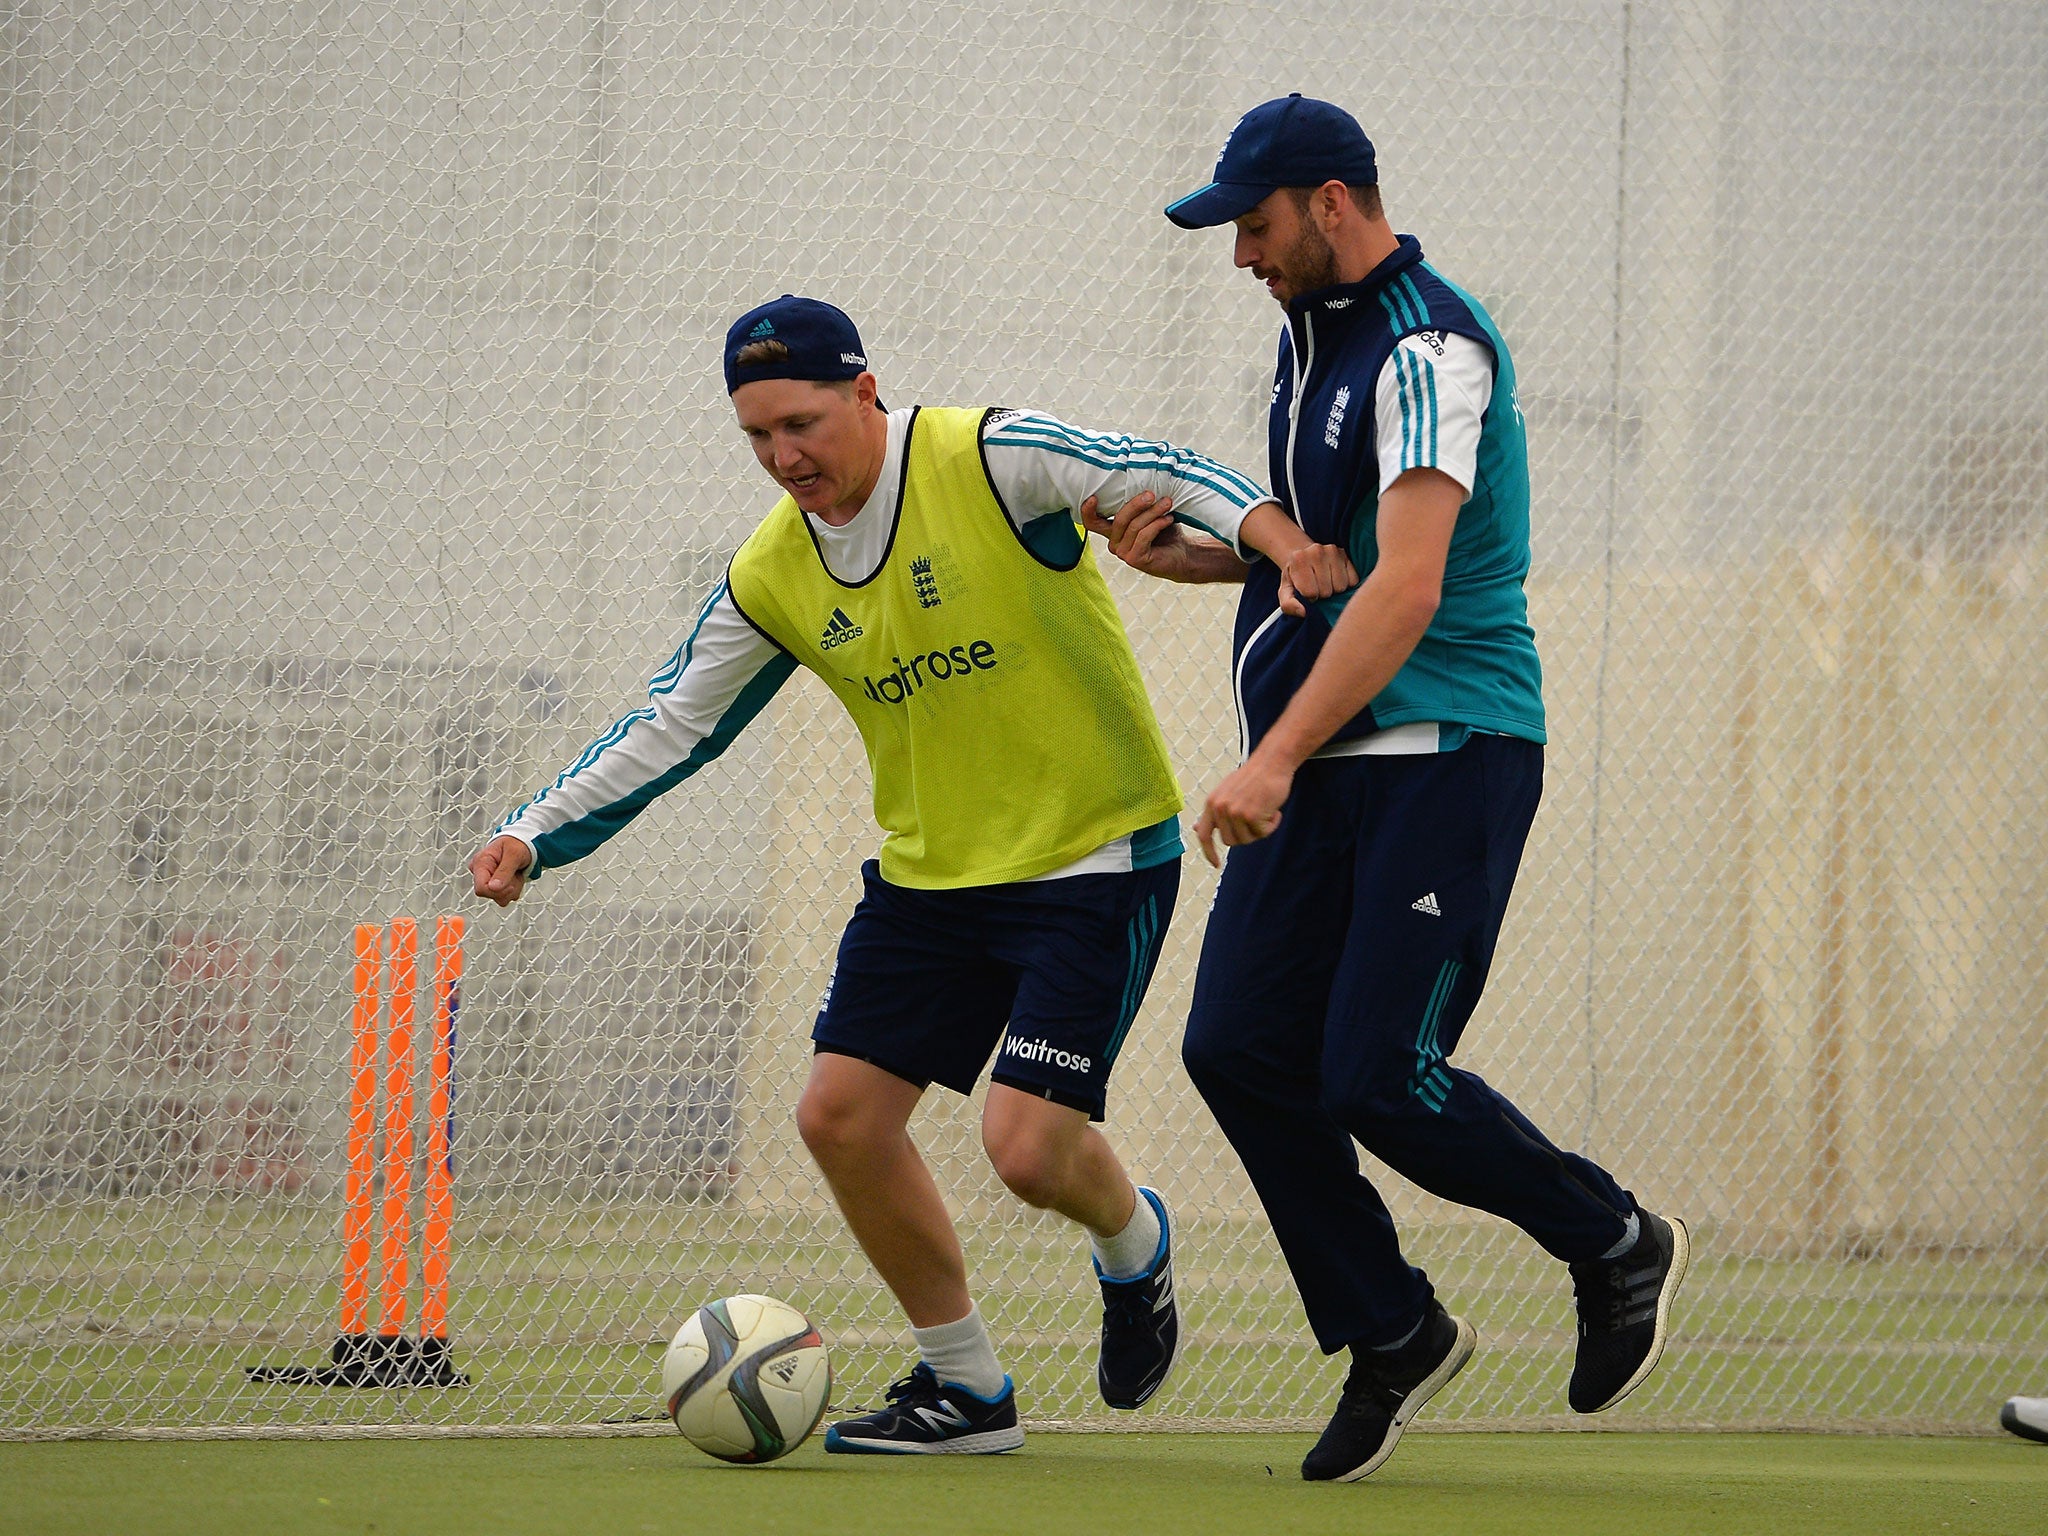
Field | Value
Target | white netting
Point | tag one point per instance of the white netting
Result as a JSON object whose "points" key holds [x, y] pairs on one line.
{"points": [[364, 451]]}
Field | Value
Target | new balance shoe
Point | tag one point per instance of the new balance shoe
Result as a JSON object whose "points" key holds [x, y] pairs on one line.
{"points": [[2026, 1417], [1140, 1324], [925, 1417], [1386, 1388], [1625, 1314]]}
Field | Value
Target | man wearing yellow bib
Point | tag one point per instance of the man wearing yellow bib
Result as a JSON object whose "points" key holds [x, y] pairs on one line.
{"points": [[927, 566]]}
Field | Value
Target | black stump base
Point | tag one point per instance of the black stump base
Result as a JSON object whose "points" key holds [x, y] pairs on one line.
{"points": [[371, 1360]]}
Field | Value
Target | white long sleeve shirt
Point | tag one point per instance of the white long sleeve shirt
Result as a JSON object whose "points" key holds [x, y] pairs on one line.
{"points": [[726, 670]]}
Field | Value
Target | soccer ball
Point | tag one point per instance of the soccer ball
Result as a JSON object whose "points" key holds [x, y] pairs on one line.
{"points": [[746, 1378]]}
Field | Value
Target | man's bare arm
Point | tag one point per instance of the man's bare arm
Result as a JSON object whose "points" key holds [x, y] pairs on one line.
{"points": [[1371, 641], [1144, 535]]}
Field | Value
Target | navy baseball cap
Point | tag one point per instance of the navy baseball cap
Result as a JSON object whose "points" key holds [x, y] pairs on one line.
{"points": [[822, 342], [1295, 141]]}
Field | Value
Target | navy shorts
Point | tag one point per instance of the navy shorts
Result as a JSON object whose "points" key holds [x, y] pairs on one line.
{"points": [[1048, 974]]}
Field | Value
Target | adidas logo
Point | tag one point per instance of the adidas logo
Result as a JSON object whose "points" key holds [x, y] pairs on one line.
{"points": [[765, 328], [839, 629], [1427, 905], [784, 1369]]}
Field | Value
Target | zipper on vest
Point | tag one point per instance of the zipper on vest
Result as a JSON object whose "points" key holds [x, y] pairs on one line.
{"points": [[1244, 714], [1305, 359]]}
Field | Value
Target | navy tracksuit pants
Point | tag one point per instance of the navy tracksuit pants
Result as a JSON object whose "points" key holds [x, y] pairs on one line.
{"points": [[1343, 957]]}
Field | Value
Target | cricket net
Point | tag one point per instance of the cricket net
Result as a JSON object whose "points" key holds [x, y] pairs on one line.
{"points": [[363, 452]]}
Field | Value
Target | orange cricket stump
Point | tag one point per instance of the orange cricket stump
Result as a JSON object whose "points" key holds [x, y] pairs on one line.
{"points": [[352, 1363], [362, 1138], [393, 1351], [390, 1357], [435, 1368]]}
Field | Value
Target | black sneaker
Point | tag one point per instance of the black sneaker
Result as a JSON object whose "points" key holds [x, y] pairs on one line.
{"points": [[1386, 1388], [927, 1417], [1625, 1313], [1140, 1324]]}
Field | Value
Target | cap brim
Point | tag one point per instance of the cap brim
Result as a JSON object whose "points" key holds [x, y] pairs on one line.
{"points": [[1217, 203]]}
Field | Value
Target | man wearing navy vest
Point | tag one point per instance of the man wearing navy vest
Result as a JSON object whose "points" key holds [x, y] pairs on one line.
{"points": [[1393, 740]]}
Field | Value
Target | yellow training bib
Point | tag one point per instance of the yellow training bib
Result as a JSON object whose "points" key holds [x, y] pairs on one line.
{"points": [[1006, 727]]}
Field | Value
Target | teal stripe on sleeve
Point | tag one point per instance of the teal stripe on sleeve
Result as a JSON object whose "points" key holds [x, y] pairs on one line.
{"points": [[1418, 406], [1417, 371], [1425, 401], [1101, 459], [572, 841], [1404, 373], [665, 680], [1228, 493], [1112, 454], [1419, 409], [1429, 369], [1401, 402], [1024, 431], [610, 736]]}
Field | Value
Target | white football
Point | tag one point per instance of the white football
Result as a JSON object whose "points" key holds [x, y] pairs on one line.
{"points": [[746, 1378]]}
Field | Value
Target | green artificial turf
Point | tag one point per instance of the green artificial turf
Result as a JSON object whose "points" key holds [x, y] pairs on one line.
{"points": [[1439, 1484], [110, 1324]]}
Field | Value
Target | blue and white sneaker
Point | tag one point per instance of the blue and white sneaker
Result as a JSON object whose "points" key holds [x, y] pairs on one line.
{"points": [[929, 1417], [1140, 1324]]}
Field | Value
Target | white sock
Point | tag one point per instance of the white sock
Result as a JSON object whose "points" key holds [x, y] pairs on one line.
{"points": [[962, 1354], [1130, 1252], [1633, 1231]]}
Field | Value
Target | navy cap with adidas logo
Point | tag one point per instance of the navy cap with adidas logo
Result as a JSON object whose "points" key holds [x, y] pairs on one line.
{"points": [[818, 339], [1294, 141]]}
